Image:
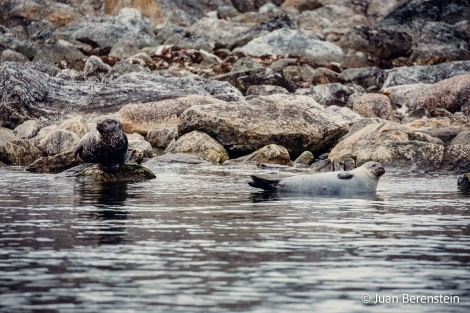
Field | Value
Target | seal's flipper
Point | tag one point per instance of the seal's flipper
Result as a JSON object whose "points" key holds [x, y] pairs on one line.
{"points": [[266, 184], [345, 175], [77, 151], [130, 155]]}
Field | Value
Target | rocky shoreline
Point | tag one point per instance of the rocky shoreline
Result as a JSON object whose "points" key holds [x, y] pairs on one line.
{"points": [[325, 84]]}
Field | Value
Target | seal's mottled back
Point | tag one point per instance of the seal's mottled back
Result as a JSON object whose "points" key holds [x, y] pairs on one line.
{"points": [[107, 146], [363, 179]]}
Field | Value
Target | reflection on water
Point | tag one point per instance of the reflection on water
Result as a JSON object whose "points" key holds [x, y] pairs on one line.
{"points": [[108, 200], [199, 239]]}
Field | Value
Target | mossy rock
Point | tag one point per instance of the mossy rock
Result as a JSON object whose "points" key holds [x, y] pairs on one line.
{"points": [[127, 173]]}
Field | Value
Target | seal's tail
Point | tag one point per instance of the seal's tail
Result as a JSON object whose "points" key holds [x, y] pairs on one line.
{"points": [[266, 184]]}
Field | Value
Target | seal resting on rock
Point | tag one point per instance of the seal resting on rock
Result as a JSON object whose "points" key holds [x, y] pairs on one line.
{"points": [[107, 146], [363, 179]]}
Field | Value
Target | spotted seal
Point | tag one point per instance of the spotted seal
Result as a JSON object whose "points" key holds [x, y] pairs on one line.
{"points": [[107, 145], [363, 179]]}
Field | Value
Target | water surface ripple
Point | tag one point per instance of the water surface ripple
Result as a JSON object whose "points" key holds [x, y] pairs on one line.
{"points": [[199, 239]]}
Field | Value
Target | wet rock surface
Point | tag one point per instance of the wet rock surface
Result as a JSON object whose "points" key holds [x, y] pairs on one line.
{"points": [[127, 173]]}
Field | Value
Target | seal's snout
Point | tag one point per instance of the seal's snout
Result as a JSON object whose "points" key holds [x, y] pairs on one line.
{"points": [[379, 171], [102, 126]]}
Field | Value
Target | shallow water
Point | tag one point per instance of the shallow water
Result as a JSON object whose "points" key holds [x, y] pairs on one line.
{"points": [[199, 239]]}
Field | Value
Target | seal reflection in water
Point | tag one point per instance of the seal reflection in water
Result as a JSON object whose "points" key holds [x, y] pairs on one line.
{"points": [[363, 179], [107, 146]]}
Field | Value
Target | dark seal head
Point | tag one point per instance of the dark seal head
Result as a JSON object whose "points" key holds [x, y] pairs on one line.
{"points": [[107, 146]]}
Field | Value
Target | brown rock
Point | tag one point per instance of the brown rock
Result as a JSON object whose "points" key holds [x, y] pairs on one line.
{"points": [[54, 164], [19, 152], [452, 94], [321, 75], [77, 125], [143, 117], [396, 145], [161, 137], [302, 5], [138, 142], [200, 144], [271, 154], [147, 8], [374, 105], [127, 173], [12, 56], [59, 141]]}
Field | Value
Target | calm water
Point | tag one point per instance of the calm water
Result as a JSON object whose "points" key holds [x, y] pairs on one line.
{"points": [[199, 239]]}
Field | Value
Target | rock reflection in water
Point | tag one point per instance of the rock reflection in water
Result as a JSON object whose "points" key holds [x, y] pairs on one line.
{"points": [[108, 200]]}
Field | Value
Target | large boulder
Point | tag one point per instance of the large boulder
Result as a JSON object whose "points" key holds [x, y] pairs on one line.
{"points": [[430, 74], [400, 146], [288, 41], [161, 137], [144, 117], [108, 30], [435, 28], [377, 42], [297, 123], [452, 94], [200, 144], [15, 151], [259, 30], [31, 92]]}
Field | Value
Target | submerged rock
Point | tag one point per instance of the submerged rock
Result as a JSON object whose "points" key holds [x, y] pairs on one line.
{"points": [[127, 173], [185, 158]]}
